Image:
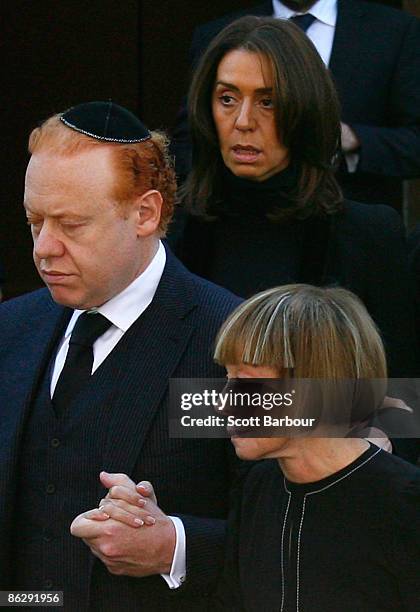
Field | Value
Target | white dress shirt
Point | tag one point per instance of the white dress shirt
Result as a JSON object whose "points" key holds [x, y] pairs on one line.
{"points": [[321, 33], [123, 310]]}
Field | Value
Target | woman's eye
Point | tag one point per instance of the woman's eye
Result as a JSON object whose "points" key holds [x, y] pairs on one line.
{"points": [[226, 100], [267, 103]]}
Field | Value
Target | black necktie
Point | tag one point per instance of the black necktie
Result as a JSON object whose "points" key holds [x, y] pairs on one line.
{"points": [[303, 21], [79, 361]]}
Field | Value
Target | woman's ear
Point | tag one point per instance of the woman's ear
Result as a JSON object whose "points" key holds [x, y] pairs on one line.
{"points": [[148, 209]]}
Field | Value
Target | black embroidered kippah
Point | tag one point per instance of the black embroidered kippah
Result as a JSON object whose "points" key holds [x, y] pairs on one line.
{"points": [[106, 121]]}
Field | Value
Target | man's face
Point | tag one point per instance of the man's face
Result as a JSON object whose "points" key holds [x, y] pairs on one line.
{"points": [[299, 5], [86, 249]]}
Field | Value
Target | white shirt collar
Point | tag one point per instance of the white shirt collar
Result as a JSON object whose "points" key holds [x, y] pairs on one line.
{"points": [[323, 10], [125, 307]]}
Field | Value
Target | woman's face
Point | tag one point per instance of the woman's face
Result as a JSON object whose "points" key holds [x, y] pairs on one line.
{"points": [[243, 112], [257, 448]]}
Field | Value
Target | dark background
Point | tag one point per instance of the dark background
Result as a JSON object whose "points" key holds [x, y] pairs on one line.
{"points": [[59, 53]]}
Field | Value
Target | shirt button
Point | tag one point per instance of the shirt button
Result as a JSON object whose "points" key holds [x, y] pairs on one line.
{"points": [[50, 488], [55, 442], [47, 538], [48, 584]]}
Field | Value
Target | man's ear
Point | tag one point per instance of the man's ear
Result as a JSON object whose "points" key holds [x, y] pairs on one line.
{"points": [[148, 208]]}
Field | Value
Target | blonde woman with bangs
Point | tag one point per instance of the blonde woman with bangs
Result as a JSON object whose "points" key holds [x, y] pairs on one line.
{"points": [[328, 524]]}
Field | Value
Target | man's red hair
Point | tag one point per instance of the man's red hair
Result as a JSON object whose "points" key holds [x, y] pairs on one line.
{"points": [[139, 167]]}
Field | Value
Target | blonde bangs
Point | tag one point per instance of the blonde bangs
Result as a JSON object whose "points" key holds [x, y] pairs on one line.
{"points": [[252, 334], [316, 332]]}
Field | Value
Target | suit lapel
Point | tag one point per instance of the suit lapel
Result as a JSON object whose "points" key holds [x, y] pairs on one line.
{"points": [[346, 57], [153, 349], [33, 351]]}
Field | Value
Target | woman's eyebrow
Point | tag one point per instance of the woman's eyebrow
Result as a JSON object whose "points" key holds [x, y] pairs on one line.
{"points": [[263, 90], [228, 85]]}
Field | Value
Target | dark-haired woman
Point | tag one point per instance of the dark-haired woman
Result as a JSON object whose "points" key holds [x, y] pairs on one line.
{"points": [[264, 207]]}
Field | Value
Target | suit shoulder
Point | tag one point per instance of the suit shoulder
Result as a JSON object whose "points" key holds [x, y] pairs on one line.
{"points": [[201, 290], [365, 217], [215, 25], [20, 316], [213, 298], [205, 32], [26, 305], [387, 16]]}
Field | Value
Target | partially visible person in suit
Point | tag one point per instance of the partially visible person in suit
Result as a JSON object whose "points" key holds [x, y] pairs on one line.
{"points": [[84, 367], [305, 533], [373, 53]]}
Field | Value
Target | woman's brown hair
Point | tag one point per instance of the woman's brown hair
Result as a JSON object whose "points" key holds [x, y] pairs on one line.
{"points": [[306, 111]]}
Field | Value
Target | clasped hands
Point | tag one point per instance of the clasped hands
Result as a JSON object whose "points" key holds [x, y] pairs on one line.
{"points": [[129, 533]]}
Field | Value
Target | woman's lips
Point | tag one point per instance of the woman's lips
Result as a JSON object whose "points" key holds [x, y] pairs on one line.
{"points": [[246, 154], [243, 431]]}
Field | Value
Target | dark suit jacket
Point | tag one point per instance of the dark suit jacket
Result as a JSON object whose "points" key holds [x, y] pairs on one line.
{"points": [[192, 477], [375, 63]]}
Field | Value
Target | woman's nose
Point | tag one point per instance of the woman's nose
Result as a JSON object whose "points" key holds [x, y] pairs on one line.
{"points": [[245, 119]]}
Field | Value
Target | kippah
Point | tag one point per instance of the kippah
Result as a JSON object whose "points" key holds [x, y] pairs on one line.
{"points": [[106, 121]]}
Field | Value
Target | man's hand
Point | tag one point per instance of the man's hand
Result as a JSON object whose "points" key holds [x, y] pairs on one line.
{"points": [[349, 140], [114, 535]]}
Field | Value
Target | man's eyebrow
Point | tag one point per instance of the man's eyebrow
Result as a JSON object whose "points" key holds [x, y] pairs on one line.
{"points": [[260, 90], [60, 215]]}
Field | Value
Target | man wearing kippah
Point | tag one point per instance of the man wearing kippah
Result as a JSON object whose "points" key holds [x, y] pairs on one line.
{"points": [[84, 368]]}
